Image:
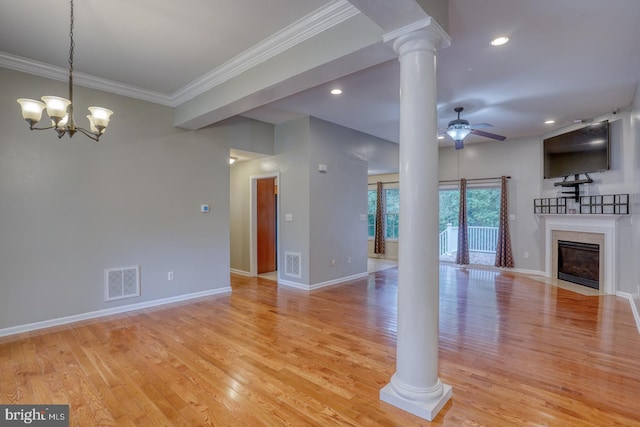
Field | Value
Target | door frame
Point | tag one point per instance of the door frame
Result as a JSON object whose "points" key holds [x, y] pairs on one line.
{"points": [[253, 221]]}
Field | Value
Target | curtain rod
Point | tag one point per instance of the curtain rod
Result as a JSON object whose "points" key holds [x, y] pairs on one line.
{"points": [[446, 180], [476, 179]]}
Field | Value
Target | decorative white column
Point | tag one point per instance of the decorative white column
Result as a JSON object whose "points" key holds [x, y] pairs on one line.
{"points": [[415, 386]]}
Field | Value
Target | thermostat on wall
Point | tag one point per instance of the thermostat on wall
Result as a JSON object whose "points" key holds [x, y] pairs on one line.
{"points": [[204, 208]]}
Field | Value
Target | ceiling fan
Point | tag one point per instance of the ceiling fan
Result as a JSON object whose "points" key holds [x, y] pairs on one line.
{"points": [[458, 130]]}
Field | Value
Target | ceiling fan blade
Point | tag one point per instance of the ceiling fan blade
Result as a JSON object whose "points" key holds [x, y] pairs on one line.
{"points": [[488, 135], [481, 125]]}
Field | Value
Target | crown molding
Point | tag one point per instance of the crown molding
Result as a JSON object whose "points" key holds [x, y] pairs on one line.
{"points": [[53, 72], [305, 28]]}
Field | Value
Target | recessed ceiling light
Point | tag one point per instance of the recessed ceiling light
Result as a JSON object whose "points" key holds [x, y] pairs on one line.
{"points": [[336, 91], [549, 122], [499, 41]]}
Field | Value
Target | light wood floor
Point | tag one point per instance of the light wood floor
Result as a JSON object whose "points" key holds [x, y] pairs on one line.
{"points": [[517, 352]]}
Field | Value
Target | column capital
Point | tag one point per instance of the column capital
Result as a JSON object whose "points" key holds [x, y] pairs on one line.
{"points": [[426, 29]]}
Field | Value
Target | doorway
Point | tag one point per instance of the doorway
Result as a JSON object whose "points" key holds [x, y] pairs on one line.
{"points": [[266, 202], [264, 225]]}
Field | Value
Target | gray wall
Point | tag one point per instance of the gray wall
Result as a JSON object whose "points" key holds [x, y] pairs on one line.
{"points": [[620, 179], [634, 144], [326, 207], [291, 162], [338, 198], [494, 159], [71, 208]]}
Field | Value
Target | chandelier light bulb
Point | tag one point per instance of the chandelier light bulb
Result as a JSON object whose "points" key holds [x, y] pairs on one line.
{"points": [[63, 122], [31, 110], [93, 127], [56, 107], [100, 116]]}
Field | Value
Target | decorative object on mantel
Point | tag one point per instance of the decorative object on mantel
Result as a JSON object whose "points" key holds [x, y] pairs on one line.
{"points": [[60, 110], [575, 184], [611, 204], [614, 204]]}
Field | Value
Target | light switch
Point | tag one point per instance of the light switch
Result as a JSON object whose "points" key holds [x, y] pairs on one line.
{"points": [[512, 217], [288, 217], [363, 217]]}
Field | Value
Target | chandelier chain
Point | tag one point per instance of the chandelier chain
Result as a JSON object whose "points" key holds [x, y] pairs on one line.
{"points": [[72, 43], [60, 110]]}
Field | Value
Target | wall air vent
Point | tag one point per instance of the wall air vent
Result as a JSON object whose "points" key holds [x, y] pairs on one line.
{"points": [[122, 282], [292, 264]]}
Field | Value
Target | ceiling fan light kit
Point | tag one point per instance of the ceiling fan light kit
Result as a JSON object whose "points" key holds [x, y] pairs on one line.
{"points": [[60, 110], [459, 129]]}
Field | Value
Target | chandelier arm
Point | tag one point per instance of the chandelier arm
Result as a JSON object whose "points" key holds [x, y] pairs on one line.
{"points": [[88, 133], [47, 128]]}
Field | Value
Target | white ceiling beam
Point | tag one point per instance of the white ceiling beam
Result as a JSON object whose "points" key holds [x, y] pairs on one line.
{"points": [[348, 46], [391, 15]]}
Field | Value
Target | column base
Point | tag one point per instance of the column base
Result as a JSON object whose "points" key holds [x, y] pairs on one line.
{"points": [[427, 409]]}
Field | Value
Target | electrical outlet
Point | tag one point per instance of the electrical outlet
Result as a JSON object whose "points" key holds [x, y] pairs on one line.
{"points": [[333, 263], [170, 275], [526, 255], [348, 260]]}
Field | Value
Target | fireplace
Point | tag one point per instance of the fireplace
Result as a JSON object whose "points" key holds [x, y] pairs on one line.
{"points": [[579, 262], [595, 229]]}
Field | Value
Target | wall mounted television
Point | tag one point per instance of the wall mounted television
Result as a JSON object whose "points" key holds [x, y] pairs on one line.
{"points": [[577, 152]]}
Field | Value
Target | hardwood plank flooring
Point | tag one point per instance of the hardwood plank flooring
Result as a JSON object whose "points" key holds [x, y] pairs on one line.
{"points": [[517, 352]]}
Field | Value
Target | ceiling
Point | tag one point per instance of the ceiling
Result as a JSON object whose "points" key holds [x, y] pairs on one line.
{"points": [[566, 60]]}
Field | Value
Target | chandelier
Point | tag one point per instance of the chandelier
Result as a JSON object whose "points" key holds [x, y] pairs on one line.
{"points": [[60, 110]]}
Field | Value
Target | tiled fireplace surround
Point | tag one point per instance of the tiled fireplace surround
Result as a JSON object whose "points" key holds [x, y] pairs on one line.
{"points": [[598, 229]]}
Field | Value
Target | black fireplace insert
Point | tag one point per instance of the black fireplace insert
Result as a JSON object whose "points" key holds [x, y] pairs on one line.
{"points": [[579, 263]]}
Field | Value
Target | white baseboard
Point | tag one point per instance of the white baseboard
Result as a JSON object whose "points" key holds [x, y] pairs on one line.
{"points": [[336, 281], [295, 285], [108, 312], [494, 268], [634, 308], [242, 272], [525, 271], [382, 256], [322, 284]]}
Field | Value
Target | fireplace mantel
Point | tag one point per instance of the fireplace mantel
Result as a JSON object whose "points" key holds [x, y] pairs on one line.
{"points": [[599, 224]]}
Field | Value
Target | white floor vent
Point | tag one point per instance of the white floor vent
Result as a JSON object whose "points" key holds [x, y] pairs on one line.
{"points": [[122, 282], [292, 264]]}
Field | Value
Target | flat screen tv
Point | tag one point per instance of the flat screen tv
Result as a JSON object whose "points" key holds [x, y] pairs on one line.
{"points": [[577, 152]]}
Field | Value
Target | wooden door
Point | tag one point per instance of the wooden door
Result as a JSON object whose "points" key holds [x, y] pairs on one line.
{"points": [[266, 212]]}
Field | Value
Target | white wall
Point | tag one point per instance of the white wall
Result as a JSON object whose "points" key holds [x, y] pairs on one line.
{"points": [[71, 208]]}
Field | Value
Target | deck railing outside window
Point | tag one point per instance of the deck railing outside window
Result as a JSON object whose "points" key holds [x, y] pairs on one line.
{"points": [[481, 239]]}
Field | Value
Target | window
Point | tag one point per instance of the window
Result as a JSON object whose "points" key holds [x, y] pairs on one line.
{"points": [[483, 212], [391, 214]]}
